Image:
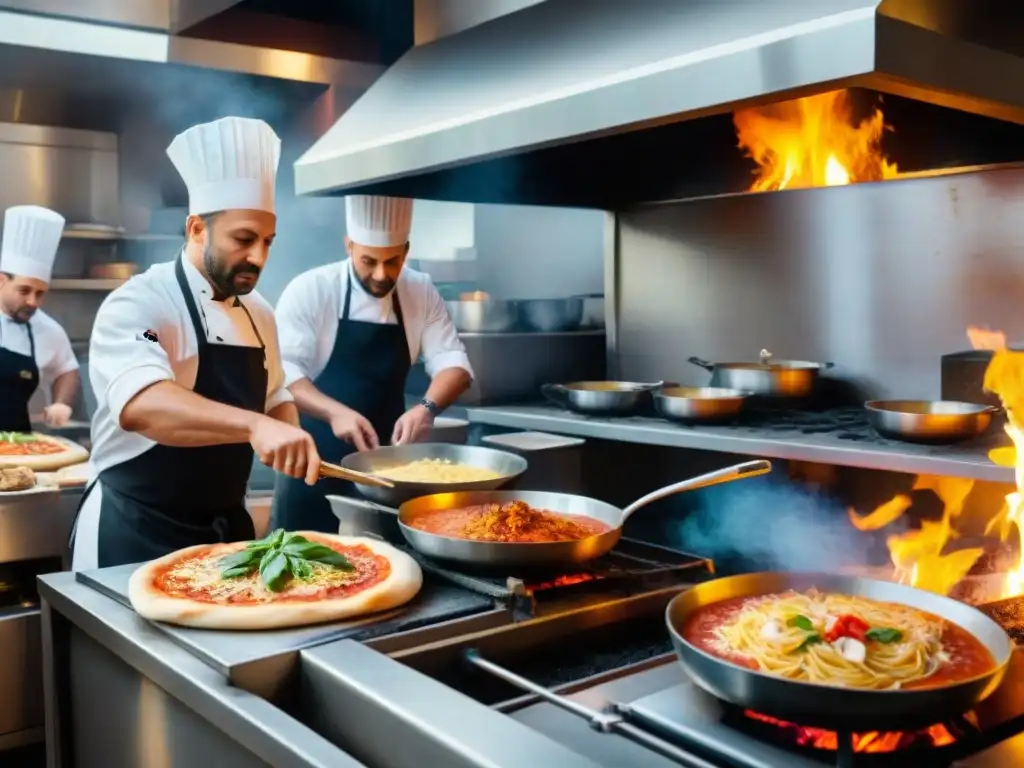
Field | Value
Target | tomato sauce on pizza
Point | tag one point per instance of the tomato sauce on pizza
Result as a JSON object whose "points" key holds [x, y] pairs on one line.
{"points": [[198, 577]]}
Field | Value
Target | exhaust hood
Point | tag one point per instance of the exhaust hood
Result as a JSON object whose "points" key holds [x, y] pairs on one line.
{"points": [[605, 103]]}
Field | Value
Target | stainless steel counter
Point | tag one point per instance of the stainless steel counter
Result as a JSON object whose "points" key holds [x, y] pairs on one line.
{"points": [[968, 461]]}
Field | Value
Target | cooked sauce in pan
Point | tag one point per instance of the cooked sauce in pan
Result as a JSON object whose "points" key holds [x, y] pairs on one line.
{"points": [[515, 521]]}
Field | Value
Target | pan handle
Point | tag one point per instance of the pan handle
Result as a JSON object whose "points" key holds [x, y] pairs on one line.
{"points": [[727, 475], [702, 363]]}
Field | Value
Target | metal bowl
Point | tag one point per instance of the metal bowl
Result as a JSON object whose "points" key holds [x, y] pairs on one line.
{"points": [[600, 397], [483, 315], [551, 315], [699, 405], [934, 422]]}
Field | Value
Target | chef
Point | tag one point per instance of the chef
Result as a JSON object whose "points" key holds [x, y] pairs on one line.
{"points": [[349, 333], [185, 365], [34, 349]]}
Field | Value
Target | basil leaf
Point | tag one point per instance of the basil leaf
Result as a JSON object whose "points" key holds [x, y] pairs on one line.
{"points": [[801, 622], [305, 549], [884, 635], [244, 557], [812, 639], [294, 537], [300, 568], [318, 553], [274, 571], [237, 571]]}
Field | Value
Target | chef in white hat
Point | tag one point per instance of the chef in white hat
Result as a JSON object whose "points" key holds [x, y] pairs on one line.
{"points": [[185, 364], [34, 349], [349, 333]]}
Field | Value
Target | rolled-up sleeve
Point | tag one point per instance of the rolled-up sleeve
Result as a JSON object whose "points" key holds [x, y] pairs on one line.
{"points": [[63, 359], [298, 313], [126, 354], [440, 344]]}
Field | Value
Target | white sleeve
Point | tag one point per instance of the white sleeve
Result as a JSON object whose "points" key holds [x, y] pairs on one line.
{"points": [[440, 344], [299, 312], [63, 359], [126, 354], [277, 391]]}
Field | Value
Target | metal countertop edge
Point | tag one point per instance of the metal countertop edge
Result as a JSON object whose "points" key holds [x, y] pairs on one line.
{"points": [[257, 724], [671, 436]]}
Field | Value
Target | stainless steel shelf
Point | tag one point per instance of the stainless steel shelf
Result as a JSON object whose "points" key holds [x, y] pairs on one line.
{"points": [[970, 461], [84, 284], [116, 236]]}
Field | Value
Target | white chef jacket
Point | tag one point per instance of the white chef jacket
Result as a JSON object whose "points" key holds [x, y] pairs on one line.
{"points": [[311, 305], [54, 355]]}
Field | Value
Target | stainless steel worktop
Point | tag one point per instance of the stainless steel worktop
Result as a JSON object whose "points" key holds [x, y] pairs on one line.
{"points": [[968, 460]]}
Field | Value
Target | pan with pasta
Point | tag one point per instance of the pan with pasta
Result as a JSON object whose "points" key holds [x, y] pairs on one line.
{"points": [[824, 649]]}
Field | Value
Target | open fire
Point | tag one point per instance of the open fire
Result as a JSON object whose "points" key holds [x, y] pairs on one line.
{"points": [[875, 742]]}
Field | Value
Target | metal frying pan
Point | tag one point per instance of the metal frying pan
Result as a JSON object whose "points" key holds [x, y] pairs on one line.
{"points": [[559, 554], [509, 467], [827, 706]]}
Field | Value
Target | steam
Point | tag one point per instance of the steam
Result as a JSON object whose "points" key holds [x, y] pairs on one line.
{"points": [[774, 524]]}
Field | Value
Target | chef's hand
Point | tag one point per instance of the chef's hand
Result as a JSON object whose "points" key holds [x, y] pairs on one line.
{"points": [[289, 450], [57, 415], [352, 427], [412, 425]]}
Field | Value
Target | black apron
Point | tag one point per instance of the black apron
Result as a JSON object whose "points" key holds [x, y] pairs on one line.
{"points": [[19, 378], [366, 372], [168, 498]]}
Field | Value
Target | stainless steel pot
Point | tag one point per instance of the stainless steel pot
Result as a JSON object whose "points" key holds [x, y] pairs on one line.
{"points": [[551, 315], [509, 467], [934, 422], [771, 378], [699, 405], [827, 706], [616, 398], [483, 316], [559, 554]]}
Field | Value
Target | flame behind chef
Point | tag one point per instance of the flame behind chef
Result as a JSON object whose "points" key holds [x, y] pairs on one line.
{"points": [[34, 349]]}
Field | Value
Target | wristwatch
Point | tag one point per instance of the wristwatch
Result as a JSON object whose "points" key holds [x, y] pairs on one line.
{"points": [[430, 405]]}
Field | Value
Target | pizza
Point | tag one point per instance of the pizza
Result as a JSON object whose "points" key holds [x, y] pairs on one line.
{"points": [[38, 452], [283, 580]]}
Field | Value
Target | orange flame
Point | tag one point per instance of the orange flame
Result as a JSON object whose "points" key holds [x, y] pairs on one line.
{"points": [[813, 142], [874, 742]]}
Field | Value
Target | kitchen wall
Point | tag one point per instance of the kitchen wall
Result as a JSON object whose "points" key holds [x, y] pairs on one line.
{"points": [[879, 278]]}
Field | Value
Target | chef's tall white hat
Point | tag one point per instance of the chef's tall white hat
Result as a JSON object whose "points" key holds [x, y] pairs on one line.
{"points": [[378, 221], [31, 237], [229, 164]]}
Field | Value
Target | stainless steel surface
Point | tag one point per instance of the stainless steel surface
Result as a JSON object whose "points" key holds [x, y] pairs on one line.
{"points": [[933, 422], [448, 430], [21, 675], [103, 662], [508, 466], [551, 315], [813, 704], [511, 367], [390, 715], [224, 652], [821, 274], [827, 448], [699, 405], [73, 172], [772, 378], [359, 517], [566, 70], [37, 525], [602, 397], [605, 722], [593, 310], [500, 554], [484, 315]]}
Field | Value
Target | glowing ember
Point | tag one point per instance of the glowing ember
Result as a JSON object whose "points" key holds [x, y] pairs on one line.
{"points": [[819, 738], [564, 581], [813, 142]]}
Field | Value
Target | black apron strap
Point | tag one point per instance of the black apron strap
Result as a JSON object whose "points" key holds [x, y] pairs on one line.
{"points": [[190, 301]]}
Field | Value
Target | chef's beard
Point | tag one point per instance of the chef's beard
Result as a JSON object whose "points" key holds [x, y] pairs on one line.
{"points": [[377, 288], [224, 276], [22, 315]]}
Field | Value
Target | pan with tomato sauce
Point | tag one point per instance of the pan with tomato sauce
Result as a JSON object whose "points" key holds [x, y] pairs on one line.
{"points": [[513, 522]]}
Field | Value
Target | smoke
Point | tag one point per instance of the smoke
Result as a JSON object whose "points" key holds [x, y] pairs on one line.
{"points": [[772, 524]]}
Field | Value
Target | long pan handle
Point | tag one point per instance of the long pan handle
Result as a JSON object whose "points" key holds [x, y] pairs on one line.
{"points": [[727, 475], [361, 478], [605, 722]]}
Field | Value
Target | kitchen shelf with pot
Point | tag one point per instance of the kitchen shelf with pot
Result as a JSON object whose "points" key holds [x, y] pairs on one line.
{"points": [[85, 284], [116, 235], [838, 436]]}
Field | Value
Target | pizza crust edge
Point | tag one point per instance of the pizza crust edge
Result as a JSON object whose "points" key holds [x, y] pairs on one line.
{"points": [[401, 586], [73, 453]]}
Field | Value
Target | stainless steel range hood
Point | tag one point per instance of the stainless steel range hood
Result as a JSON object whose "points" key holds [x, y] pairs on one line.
{"points": [[532, 106]]}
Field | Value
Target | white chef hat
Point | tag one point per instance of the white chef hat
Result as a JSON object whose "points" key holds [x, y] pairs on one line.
{"points": [[229, 164], [378, 221], [31, 237]]}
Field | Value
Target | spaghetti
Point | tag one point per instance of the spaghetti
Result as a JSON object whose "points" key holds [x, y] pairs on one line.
{"points": [[436, 471], [832, 639]]}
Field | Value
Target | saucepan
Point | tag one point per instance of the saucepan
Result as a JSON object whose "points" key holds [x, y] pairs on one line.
{"points": [[848, 709], [699, 405], [768, 377], [613, 398], [507, 466], [934, 422], [533, 555]]}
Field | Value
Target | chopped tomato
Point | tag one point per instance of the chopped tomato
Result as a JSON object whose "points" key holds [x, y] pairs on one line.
{"points": [[848, 625]]}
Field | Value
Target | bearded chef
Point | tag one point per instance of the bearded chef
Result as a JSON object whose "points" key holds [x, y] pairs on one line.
{"points": [[34, 349], [349, 333], [185, 365]]}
